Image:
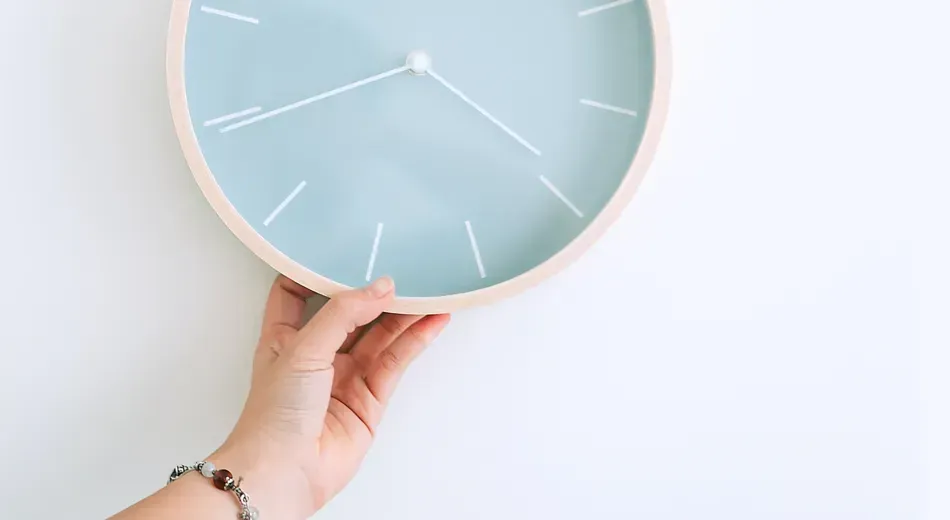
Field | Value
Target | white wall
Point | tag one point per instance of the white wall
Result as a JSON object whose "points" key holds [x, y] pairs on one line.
{"points": [[761, 336]]}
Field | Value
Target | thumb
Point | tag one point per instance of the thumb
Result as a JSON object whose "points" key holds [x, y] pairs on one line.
{"points": [[319, 340]]}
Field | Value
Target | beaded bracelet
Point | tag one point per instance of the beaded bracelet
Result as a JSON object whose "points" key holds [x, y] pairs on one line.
{"points": [[223, 480]]}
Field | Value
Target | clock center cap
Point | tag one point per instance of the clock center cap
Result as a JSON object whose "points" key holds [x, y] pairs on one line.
{"points": [[419, 62]]}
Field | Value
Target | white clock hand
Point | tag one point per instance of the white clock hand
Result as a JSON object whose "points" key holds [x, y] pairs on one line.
{"points": [[314, 99], [483, 112]]}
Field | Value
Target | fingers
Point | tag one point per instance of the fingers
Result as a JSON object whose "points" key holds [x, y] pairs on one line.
{"points": [[351, 339], [380, 336], [283, 315], [286, 303], [392, 362], [320, 339]]}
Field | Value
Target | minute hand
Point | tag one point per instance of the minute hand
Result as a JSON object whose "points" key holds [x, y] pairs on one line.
{"points": [[314, 99], [483, 112]]}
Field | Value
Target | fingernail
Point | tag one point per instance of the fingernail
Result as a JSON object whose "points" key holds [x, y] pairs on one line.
{"points": [[381, 287]]}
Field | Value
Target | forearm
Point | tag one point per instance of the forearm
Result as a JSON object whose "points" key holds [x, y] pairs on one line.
{"points": [[190, 497], [194, 496], [296, 446]]}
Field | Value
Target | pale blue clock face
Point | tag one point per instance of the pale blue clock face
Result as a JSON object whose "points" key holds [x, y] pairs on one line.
{"points": [[515, 128]]}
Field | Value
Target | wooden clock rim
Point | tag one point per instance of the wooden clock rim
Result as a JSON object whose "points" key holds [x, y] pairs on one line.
{"points": [[429, 305]]}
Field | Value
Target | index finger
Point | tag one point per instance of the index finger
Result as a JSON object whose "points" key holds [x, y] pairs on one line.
{"points": [[285, 305]]}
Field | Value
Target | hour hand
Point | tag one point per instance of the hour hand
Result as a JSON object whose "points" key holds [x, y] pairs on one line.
{"points": [[483, 112], [314, 99]]}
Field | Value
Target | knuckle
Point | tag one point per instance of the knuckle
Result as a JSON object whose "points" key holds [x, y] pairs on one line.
{"points": [[417, 340], [308, 363], [341, 304], [390, 325], [390, 361], [342, 309]]}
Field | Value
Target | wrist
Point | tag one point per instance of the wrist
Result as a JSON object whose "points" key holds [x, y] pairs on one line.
{"points": [[273, 484]]}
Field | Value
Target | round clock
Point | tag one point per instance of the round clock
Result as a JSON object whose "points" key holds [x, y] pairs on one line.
{"points": [[467, 149]]}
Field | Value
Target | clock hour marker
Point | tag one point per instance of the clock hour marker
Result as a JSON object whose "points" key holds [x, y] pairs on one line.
{"points": [[557, 193], [229, 117], [227, 14], [283, 205], [603, 106], [478, 254], [372, 256], [599, 8]]}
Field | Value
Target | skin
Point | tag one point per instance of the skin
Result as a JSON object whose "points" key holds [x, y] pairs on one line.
{"points": [[318, 392]]}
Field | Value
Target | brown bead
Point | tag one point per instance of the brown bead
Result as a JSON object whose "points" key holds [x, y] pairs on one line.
{"points": [[221, 479]]}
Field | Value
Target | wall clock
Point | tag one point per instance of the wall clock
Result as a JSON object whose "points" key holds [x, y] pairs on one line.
{"points": [[467, 149]]}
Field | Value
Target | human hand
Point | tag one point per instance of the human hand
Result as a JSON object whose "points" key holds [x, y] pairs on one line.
{"points": [[318, 393]]}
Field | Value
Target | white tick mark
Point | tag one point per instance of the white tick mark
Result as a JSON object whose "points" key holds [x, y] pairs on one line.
{"points": [[285, 203], [229, 117], [603, 106], [372, 256], [478, 254], [227, 14], [599, 8], [561, 196]]}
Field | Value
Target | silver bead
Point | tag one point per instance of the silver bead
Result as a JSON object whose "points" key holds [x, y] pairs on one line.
{"points": [[255, 514], [207, 470]]}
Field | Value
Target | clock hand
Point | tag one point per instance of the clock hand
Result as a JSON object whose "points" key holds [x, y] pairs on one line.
{"points": [[483, 112], [314, 99]]}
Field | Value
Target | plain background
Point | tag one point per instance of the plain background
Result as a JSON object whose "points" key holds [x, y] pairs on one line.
{"points": [[762, 336]]}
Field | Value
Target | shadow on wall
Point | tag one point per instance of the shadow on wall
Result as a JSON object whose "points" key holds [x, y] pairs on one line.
{"points": [[163, 305]]}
